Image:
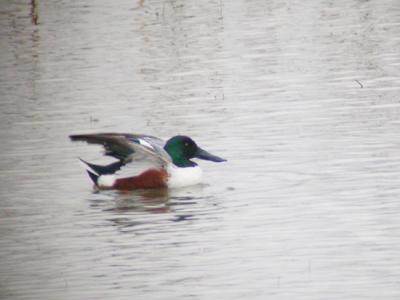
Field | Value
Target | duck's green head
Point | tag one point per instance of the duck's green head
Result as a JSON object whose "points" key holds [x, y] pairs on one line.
{"points": [[182, 148]]}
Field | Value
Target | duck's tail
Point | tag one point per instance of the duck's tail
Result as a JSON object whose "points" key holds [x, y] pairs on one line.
{"points": [[102, 175]]}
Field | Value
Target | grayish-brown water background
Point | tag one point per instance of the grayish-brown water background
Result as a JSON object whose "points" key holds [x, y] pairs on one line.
{"points": [[301, 97]]}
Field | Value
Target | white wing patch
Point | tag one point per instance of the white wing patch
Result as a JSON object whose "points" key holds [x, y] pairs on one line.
{"points": [[145, 150], [145, 143]]}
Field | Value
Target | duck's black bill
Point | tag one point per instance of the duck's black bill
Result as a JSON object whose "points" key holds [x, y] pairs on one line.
{"points": [[203, 154]]}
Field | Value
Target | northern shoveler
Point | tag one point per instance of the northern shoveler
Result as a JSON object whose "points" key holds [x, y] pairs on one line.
{"points": [[171, 164]]}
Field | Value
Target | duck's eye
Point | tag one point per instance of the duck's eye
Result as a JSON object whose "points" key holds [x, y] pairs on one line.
{"points": [[186, 144]]}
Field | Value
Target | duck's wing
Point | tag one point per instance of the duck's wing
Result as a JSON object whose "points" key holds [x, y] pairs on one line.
{"points": [[128, 147]]}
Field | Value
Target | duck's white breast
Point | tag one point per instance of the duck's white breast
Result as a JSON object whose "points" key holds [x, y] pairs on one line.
{"points": [[180, 177]]}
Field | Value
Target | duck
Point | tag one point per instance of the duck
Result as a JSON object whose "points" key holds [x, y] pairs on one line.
{"points": [[169, 163]]}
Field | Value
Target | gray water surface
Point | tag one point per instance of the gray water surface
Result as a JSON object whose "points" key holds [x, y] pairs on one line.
{"points": [[301, 97]]}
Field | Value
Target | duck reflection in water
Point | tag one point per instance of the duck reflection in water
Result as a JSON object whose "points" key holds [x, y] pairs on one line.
{"points": [[152, 200], [133, 208]]}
